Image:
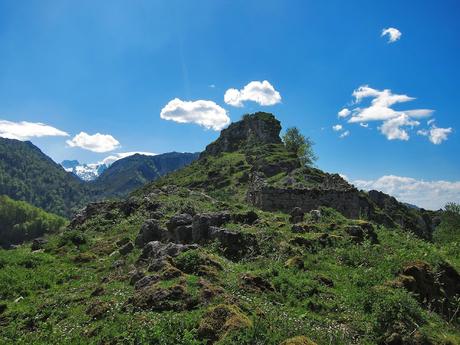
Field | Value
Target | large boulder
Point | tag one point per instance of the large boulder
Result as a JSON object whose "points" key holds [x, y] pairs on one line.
{"points": [[202, 222], [179, 219], [157, 250], [150, 231]]}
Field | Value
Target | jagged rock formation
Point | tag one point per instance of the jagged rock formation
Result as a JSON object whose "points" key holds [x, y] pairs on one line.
{"points": [[257, 129]]}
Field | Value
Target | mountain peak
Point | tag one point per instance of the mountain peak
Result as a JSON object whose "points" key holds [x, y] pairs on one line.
{"points": [[260, 128]]}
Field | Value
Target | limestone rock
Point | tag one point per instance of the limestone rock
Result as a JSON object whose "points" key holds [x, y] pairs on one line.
{"points": [[180, 219], [261, 128], [150, 231], [158, 250]]}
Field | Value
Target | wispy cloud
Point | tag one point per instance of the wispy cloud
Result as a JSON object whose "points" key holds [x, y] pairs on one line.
{"points": [[344, 112], [394, 123], [344, 134], [392, 33], [96, 142], [337, 128], [435, 134], [204, 113], [427, 194], [262, 93], [26, 130]]}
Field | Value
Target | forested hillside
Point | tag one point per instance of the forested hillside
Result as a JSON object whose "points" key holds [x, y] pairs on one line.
{"points": [[27, 174], [20, 221]]}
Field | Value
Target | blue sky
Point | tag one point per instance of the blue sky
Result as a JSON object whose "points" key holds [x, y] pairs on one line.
{"points": [[110, 67]]}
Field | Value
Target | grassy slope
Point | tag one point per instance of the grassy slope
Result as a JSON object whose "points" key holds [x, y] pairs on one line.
{"points": [[57, 284]]}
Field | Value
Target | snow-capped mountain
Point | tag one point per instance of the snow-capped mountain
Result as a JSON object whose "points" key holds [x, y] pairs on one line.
{"points": [[91, 171], [87, 172]]}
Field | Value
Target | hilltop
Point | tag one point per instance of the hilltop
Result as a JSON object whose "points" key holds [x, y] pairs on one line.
{"points": [[243, 246]]}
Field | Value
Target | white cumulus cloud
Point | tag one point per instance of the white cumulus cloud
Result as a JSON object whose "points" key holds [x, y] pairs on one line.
{"points": [[394, 123], [344, 112], [262, 93], [26, 130], [435, 134], [392, 33], [337, 128], [96, 142], [431, 195], [116, 156], [393, 128], [204, 113]]}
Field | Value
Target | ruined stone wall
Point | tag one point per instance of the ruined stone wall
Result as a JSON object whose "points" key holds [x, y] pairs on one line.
{"points": [[348, 202]]}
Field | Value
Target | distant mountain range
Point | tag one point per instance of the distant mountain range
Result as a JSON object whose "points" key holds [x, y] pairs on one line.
{"points": [[27, 174], [86, 172], [132, 172]]}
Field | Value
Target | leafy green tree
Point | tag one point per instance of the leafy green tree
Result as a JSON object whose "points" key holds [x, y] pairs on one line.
{"points": [[448, 232], [452, 208], [299, 144]]}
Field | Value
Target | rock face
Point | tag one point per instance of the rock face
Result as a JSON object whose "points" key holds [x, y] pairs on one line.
{"points": [[420, 222], [150, 231], [261, 128]]}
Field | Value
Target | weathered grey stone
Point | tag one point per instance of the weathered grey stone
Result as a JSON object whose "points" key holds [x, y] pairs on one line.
{"points": [[202, 222], [315, 215], [179, 220], [150, 231], [146, 281], [262, 128], [158, 250], [136, 276], [182, 234]]}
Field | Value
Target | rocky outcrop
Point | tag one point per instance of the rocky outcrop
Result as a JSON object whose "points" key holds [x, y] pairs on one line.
{"points": [[361, 232], [157, 250], [220, 320], [436, 289], [260, 128], [157, 298], [150, 231], [419, 221]]}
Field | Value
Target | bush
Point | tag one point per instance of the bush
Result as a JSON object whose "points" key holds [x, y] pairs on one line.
{"points": [[74, 237], [395, 311]]}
